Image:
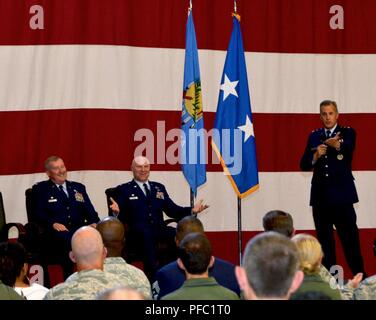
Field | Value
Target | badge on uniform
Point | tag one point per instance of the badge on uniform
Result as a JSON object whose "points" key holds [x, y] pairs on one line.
{"points": [[52, 199], [160, 195], [340, 156], [133, 197], [78, 196]]}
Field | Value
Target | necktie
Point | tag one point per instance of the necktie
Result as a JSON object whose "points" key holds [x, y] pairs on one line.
{"points": [[147, 191], [62, 190], [328, 134]]}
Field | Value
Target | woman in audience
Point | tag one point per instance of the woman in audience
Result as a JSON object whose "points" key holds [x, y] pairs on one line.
{"points": [[14, 270], [310, 256]]}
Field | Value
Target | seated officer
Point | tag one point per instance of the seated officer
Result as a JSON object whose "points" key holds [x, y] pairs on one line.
{"points": [[140, 205], [62, 207]]}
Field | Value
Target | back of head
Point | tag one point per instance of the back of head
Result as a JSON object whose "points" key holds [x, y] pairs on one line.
{"points": [[279, 221], [271, 262], [12, 259], [120, 293], [112, 232], [310, 253], [195, 253], [187, 225], [88, 248]]}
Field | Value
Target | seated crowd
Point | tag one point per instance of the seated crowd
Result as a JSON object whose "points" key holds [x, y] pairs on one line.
{"points": [[98, 257], [277, 264]]}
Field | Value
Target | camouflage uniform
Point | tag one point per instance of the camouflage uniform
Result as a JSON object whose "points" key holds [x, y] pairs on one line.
{"points": [[128, 275], [124, 274], [83, 285], [365, 291]]}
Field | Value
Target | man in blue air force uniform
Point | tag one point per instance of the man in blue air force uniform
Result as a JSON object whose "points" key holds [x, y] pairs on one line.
{"points": [[62, 207], [140, 204], [329, 153]]}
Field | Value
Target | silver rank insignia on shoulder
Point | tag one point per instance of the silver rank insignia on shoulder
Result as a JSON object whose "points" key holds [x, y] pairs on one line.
{"points": [[340, 156]]}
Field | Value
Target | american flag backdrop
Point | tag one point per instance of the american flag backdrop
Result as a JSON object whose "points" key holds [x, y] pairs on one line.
{"points": [[79, 78]]}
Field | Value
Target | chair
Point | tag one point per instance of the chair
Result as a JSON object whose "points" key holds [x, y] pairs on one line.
{"points": [[6, 229], [134, 256], [38, 244]]}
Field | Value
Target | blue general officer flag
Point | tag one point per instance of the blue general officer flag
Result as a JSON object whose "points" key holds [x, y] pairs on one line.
{"points": [[233, 135], [193, 156]]}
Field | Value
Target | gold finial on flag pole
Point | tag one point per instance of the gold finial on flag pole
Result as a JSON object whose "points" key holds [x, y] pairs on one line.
{"points": [[190, 7], [235, 13]]}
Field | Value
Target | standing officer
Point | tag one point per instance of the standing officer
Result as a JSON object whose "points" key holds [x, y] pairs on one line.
{"points": [[140, 204], [329, 153], [62, 207]]}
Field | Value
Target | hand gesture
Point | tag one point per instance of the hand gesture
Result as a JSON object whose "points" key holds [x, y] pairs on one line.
{"points": [[59, 227], [334, 142], [114, 206], [199, 206], [320, 151], [354, 282]]}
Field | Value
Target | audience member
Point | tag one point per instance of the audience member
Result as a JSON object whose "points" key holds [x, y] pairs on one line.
{"points": [[365, 291], [270, 268], [120, 293], [310, 256], [112, 232], [195, 258], [14, 270], [88, 252], [279, 221], [170, 277], [7, 293], [282, 222]]}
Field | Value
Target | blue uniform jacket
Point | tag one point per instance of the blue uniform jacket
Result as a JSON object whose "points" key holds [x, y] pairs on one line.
{"points": [[332, 180], [52, 206], [139, 213], [170, 278]]}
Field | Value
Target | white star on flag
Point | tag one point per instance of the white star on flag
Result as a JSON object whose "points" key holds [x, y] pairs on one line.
{"points": [[247, 129], [228, 87]]}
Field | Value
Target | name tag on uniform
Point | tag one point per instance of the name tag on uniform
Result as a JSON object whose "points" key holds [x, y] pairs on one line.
{"points": [[52, 200], [133, 198]]}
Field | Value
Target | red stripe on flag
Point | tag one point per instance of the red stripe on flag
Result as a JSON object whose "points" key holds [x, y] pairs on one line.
{"points": [[103, 139], [294, 26]]}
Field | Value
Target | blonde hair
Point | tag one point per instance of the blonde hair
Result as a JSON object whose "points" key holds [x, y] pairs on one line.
{"points": [[310, 253]]}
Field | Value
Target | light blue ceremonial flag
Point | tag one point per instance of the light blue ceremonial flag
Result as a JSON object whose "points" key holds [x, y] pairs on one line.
{"points": [[193, 156], [233, 134]]}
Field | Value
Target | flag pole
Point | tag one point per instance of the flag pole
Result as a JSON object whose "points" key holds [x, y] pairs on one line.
{"points": [[192, 195], [192, 198], [240, 229]]}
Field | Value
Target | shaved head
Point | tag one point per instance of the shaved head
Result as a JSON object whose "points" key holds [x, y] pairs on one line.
{"points": [[141, 168], [120, 293], [112, 232], [87, 249], [140, 160]]}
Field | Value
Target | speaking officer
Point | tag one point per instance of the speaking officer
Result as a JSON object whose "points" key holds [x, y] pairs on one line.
{"points": [[329, 153], [62, 207], [140, 204]]}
